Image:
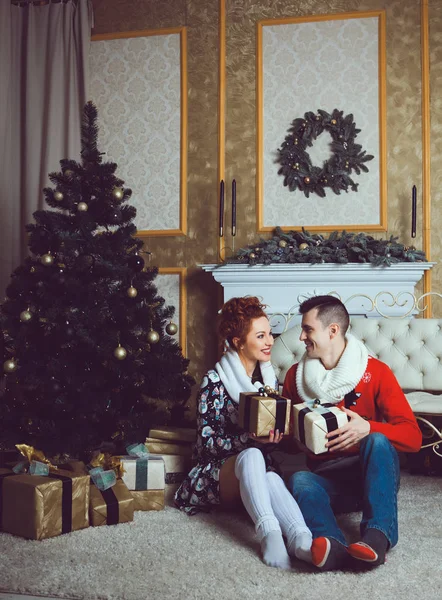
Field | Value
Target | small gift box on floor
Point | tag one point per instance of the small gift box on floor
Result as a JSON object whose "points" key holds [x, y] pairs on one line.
{"points": [[43, 506], [111, 506], [144, 475], [141, 470], [260, 414], [312, 422]]}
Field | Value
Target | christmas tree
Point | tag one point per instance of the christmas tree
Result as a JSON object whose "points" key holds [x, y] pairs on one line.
{"points": [[88, 353]]}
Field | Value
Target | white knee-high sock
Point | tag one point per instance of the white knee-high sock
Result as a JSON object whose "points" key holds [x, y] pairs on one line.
{"points": [[288, 513], [250, 469]]}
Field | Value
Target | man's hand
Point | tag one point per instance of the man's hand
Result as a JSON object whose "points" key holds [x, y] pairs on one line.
{"points": [[349, 434], [274, 437]]}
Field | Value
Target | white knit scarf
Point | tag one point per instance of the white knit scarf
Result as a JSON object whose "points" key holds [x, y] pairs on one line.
{"points": [[314, 381], [234, 376]]}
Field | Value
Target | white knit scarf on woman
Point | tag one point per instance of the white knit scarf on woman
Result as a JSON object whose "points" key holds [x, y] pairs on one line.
{"points": [[314, 381], [234, 376]]}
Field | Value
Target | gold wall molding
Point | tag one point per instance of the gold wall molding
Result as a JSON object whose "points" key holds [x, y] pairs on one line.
{"points": [[426, 150], [181, 230], [382, 148], [222, 123]]}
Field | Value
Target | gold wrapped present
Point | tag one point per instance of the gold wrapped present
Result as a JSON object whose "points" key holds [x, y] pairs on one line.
{"points": [[111, 506], [143, 473], [158, 447], [312, 422], [172, 434], [38, 507], [262, 414], [148, 499]]}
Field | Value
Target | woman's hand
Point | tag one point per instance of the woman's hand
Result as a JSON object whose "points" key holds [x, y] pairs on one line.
{"points": [[274, 437]]}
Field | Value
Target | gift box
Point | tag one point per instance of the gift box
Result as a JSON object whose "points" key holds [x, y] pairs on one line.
{"points": [[111, 506], [312, 423], [171, 434], [148, 499], [38, 507], [155, 446], [143, 473], [262, 414]]}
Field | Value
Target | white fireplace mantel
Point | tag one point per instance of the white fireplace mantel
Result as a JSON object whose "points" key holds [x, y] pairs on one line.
{"points": [[365, 290]]}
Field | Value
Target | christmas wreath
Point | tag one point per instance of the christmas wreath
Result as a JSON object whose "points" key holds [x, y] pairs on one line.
{"points": [[335, 173]]}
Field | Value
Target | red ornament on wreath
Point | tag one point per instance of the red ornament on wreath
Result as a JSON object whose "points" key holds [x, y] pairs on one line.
{"points": [[335, 173]]}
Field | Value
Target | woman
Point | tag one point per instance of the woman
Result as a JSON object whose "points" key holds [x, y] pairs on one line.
{"points": [[228, 471]]}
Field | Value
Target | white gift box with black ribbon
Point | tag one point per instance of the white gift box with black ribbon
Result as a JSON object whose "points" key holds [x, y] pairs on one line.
{"points": [[312, 422], [144, 473]]}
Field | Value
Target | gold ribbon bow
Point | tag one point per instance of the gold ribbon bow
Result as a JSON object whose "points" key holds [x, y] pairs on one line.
{"points": [[30, 453], [108, 462]]}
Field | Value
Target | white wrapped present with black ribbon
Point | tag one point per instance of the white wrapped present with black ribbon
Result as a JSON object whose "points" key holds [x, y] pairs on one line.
{"points": [[313, 421], [143, 471]]}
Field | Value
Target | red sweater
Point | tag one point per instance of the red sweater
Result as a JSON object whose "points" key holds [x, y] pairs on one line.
{"points": [[381, 401]]}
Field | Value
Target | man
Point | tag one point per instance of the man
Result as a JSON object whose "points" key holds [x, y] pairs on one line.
{"points": [[361, 466]]}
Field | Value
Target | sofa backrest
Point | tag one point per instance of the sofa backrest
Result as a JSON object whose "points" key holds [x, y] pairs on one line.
{"points": [[412, 348]]}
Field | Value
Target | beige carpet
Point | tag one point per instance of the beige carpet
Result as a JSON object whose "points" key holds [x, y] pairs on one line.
{"points": [[168, 555]]}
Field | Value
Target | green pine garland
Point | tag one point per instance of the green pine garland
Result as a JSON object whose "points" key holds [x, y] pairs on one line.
{"points": [[296, 165], [303, 247]]}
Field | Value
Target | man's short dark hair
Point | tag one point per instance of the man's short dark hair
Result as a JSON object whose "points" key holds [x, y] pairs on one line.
{"points": [[329, 310]]}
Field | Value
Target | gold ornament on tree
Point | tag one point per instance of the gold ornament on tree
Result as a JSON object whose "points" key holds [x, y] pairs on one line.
{"points": [[171, 328], [282, 243], [9, 366], [25, 315], [118, 193], [82, 207], [47, 259], [153, 337], [58, 196], [120, 352], [132, 292], [303, 246]]}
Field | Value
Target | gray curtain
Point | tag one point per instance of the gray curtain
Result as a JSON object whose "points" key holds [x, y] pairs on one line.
{"points": [[44, 55]]}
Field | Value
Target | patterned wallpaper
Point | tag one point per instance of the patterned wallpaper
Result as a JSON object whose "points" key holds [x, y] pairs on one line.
{"points": [[404, 129], [135, 84], [325, 65], [168, 285]]}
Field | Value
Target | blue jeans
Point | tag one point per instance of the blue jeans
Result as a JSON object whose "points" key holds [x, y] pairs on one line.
{"points": [[370, 483]]}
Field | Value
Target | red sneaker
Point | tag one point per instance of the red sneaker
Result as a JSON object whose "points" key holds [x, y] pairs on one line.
{"points": [[320, 550], [362, 551]]}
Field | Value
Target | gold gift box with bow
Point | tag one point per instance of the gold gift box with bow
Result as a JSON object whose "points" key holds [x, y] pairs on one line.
{"points": [[32, 505], [116, 502], [257, 414]]}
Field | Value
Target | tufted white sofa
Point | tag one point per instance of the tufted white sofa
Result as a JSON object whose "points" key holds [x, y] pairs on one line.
{"points": [[411, 347]]}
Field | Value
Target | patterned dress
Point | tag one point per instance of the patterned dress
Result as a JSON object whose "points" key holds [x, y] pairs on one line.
{"points": [[218, 438]]}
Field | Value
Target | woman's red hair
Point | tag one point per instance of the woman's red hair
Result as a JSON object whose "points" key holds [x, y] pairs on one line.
{"points": [[236, 318]]}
